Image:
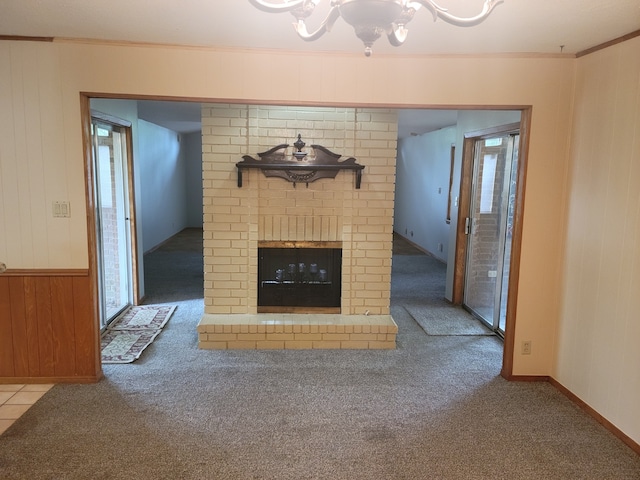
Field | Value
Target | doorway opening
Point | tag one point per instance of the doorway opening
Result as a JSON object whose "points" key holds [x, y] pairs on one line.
{"points": [[441, 159], [454, 204]]}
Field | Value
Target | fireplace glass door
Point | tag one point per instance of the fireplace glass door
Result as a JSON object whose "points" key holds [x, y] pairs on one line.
{"points": [[299, 279]]}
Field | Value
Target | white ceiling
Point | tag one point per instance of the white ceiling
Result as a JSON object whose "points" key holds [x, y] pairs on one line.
{"points": [[516, 26], [538, 26]]}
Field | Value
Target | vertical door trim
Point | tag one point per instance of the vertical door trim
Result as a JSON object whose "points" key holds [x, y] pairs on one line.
{"points": [[516, 245], [466, 179], [87, 144]]}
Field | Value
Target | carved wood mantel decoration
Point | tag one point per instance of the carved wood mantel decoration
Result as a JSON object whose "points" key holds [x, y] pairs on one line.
{"points": [[298, 168]]}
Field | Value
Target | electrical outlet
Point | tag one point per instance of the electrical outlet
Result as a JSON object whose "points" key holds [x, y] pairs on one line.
{"points": [[526, 347]]}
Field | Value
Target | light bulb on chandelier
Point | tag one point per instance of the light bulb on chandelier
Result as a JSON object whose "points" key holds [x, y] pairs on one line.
{"points": [[370, 19]]}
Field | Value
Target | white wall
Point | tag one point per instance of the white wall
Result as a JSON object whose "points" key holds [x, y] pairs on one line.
{"points": [[162, 168], [193, 153], [598, 350], [422, 185]]}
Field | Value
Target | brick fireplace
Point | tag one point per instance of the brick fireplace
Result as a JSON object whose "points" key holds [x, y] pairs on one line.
{"points": [[265, 211]]}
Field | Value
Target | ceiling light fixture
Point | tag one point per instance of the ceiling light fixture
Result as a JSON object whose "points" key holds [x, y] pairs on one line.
{"points": [[369, 18]]}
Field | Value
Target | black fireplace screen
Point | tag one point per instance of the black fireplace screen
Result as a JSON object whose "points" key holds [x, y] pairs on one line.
{"points": [[299, 277]]}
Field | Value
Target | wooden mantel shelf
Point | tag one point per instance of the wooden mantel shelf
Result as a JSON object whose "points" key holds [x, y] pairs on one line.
{"points": [[297, 168]]}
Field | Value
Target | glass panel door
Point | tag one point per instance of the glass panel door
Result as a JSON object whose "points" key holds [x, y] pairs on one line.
{"points": [[112, 205], [489, 229], [508, 234]]}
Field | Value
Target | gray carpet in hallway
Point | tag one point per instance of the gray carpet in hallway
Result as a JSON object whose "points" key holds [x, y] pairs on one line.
{"points": [[435, 408]]}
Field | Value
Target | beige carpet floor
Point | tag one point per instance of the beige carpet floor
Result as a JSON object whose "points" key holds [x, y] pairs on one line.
{"points": [[435, 408]]}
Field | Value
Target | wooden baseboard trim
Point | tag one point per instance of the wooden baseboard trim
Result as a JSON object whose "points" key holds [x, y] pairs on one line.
{"points": [[46, 272], [23, 38], [527, 378], [599, 418], [43, 380]]}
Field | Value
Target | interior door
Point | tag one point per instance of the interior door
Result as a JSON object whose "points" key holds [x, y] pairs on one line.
{"points": [[113, 232], [489, 228]]}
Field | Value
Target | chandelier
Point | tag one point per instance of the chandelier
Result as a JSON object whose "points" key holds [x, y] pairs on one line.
{"points": [[369, 18]]}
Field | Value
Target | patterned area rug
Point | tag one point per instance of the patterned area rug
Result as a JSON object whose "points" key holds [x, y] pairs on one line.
{"points": [[128, 335], [143, 318], [125, 346]]}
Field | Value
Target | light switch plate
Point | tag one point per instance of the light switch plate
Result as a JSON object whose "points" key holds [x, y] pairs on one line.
{"points": [[61, 209]]}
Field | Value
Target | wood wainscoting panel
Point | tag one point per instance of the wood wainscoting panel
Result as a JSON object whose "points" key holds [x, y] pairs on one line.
{"points": [[6, 331], [31, 325], [22, 360], [43, 313], [47, 329], [88, 361], [63, 327]]}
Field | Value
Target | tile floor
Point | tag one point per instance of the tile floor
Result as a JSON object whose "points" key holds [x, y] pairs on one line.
{"points": [[17, 399]]}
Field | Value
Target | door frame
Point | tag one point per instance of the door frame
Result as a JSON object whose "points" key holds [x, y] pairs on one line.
{"points": [[90, 176], [464, 203], [525, 127]]}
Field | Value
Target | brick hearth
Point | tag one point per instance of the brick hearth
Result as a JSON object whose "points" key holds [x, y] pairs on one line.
{"points": [[297, 331]]}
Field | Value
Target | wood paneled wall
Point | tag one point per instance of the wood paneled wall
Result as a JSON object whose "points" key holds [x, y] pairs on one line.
{"points": [[48, 329]]}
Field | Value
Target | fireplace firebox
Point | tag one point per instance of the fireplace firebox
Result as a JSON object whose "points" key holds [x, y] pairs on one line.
{"points": [[299, 279]]}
